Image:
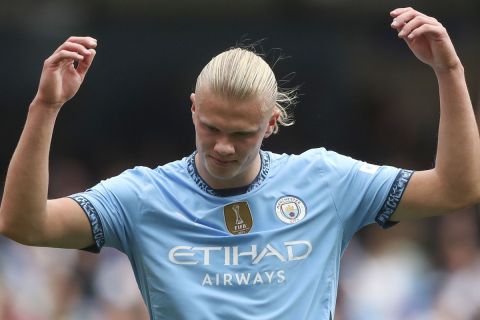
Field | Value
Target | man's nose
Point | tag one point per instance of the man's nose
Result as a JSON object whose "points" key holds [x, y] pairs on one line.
{"points": [[224, 147]]}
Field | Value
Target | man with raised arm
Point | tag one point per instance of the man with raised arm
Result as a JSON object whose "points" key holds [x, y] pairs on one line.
{"points": [[233, 231]]}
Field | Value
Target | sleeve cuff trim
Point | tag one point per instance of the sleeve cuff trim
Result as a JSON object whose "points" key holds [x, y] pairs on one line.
{"points": [[95, 222], [393, 199]]}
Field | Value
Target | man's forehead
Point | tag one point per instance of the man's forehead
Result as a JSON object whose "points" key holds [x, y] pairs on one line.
{"points": [[229, 124], [254, 106], [230, 116]]}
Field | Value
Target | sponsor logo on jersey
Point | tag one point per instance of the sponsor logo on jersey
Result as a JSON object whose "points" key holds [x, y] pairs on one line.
{"points": [[290, 209], [238, 217], [238, 265], [230, 256]]}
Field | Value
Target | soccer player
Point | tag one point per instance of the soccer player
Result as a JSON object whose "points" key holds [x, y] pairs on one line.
{"points": [[233, 231]]}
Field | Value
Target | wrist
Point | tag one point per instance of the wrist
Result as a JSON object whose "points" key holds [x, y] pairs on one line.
{"points": [[43, 110], [39, 104], [453, 69]]}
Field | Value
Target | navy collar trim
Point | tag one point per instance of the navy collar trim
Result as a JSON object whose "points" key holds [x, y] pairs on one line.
{"points": [[265, 167]]}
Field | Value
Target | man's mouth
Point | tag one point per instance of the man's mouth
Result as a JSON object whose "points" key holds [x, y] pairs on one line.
{"points": [[221, 162]]}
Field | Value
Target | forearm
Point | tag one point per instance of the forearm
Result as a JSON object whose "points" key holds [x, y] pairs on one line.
{"points": [[24, 200], [458, 151]]}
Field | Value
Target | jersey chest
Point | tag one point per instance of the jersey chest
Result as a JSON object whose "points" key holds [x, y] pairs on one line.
{"points": [[242, 248], [269, 232]]}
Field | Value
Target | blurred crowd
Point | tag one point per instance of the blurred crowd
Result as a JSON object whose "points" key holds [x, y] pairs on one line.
{"points": [[428, 270]]}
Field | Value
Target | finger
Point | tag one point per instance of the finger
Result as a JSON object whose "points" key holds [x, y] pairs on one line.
{"points": [[415, 23], [426, 30], [87, 42], [64, 55], [401, 20], [72, 46], [399, 11], [85, 64]]}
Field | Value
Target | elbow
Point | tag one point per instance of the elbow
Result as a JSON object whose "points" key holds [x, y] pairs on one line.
{"points": [[3, 229], [7, 231], [19, 237], [474, 198], [472, 194], [13, 232], [464, 198]]}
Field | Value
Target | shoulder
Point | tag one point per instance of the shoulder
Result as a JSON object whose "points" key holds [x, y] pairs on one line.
{"points": [[142, 176], [318, 157], [177, 167]]}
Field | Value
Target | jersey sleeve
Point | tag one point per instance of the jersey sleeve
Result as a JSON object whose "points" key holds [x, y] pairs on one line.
{"points": [[111, 207], [364, 193]]}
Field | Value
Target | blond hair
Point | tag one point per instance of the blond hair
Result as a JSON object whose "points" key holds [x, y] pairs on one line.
{"points": [[241, 74]]}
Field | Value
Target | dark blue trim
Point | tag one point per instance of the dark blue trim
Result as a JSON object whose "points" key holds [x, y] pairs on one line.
{"points": [[265, 167], [95, 222], [232, 191], [393, 199]]}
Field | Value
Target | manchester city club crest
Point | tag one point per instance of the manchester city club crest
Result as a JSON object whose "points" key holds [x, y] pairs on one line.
{"points": [[290, 209]]}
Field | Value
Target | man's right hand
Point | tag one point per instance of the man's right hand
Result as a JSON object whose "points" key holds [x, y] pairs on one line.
{"points": [[60, 79]]}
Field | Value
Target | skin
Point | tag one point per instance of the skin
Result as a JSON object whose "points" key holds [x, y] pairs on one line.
{"points": [[228, 137]]}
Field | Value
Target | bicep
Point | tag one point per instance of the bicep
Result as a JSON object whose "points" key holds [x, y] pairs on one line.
{"points": [[425, 195], [67, 225]]}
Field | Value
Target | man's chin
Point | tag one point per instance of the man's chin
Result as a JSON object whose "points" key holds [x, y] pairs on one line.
{"points": [[221, 174]]}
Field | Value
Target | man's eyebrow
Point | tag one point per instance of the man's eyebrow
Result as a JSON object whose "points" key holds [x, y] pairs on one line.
{"points": [[234, 131], [206, 123], [248, 131]]}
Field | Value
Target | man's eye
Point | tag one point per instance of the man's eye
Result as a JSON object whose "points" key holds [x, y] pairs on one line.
{"points": [[212, 129], [243, 134]]}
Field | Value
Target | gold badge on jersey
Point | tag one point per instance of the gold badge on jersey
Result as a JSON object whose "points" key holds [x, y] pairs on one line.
{"points": [[238, 217]]}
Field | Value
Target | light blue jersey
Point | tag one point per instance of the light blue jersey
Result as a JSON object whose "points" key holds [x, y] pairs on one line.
{"points": [[271, 252]]}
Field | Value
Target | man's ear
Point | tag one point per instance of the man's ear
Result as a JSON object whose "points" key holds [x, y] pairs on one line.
{"points": [[272, 123], [269, 132], [192, 99]]}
